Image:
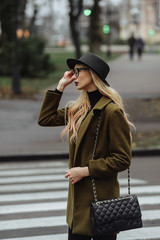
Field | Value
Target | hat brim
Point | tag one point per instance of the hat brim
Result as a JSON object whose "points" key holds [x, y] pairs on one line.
{"points": [[71, 62]]}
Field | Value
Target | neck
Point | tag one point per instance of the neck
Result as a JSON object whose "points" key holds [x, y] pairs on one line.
{"points": [[91, 88], [94, 97]]}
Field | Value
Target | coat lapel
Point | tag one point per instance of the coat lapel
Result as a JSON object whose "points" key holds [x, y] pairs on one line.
{"points": [[100, 105]]}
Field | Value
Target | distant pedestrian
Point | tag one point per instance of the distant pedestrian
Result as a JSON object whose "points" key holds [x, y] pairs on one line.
{"points": [[113, 152], [132, 45], [140, 47]]}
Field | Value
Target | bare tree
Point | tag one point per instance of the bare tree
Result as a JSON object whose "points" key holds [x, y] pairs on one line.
{"points": [[22, 6], [16, 85], [11, 18], [95, 31], [75, 11], [32, 27], [7, 18]]}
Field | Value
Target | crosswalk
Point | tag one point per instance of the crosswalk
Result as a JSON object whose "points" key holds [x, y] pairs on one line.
{"points": [[33, 198]]}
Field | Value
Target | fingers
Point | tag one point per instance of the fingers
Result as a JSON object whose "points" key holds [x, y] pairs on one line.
{"points": [[72, 181], [68, 74], [69, 174], [68, 78]]}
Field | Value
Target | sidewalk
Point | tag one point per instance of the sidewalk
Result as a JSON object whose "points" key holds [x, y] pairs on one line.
{"points": [[20, 133]]}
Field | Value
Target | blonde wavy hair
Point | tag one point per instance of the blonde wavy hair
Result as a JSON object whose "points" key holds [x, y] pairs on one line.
{"points": [[77, 110]]}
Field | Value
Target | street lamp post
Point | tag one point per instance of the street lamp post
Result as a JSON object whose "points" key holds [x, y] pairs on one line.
{"points": [[109, 14], [16, 74]]}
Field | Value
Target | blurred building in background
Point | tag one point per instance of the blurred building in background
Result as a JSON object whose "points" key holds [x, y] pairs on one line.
{"points": [[141, 18]]}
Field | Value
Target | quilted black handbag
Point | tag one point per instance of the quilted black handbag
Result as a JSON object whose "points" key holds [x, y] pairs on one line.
{"points": [[113, 215]]}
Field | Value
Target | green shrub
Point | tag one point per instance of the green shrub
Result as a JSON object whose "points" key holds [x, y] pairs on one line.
{"points": [[33, 62], [6, 60]]}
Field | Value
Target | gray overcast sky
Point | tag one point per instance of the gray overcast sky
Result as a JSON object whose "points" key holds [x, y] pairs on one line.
{"points": [[58, 6]]}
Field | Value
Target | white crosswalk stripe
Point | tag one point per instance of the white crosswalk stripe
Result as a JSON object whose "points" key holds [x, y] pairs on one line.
{"points": [[33, 207], [24, 172], [32, 223], [33, 186], [29, 165], [39, 178], [34, 196]]}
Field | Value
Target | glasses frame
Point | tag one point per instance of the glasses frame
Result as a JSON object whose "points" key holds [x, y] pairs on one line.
{"points": [[78, 70]]}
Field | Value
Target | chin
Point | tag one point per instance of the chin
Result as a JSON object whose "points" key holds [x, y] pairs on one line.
{"points": [[79, 88]]}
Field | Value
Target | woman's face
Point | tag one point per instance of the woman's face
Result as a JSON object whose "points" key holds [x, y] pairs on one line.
{"points": [[83, 79]]}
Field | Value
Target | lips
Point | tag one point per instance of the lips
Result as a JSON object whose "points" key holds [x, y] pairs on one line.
{"points": [[76, 83]]}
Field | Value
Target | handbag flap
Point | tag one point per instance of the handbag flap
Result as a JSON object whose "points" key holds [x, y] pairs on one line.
{"points": [[117, 209]]}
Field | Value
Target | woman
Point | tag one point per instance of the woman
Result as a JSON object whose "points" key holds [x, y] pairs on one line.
{"points": [[113, 151]]}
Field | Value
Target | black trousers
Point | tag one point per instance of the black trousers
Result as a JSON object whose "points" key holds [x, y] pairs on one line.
{"points": [[83, 237]]}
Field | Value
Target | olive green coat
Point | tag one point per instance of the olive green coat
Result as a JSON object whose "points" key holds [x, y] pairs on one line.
{"points": [[113, 154]]}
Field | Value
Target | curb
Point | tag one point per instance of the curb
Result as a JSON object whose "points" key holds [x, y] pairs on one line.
{"points": [[146, 152], [64, 155]]}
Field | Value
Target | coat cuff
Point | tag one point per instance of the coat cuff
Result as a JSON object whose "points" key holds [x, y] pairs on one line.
{"points": [[97, 168], [91, 168], [55, 91]]}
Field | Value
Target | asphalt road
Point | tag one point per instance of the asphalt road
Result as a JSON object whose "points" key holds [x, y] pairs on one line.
{"points": [[33, 199]]}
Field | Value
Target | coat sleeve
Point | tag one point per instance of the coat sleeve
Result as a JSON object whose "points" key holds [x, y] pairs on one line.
{"points": [[119, 148], [49, 113]]}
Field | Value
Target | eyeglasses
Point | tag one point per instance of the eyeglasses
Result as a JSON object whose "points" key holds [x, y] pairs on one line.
{"points": [[77, 70]]}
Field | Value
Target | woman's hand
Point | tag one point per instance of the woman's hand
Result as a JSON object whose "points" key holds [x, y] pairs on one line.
{"points": [[77, 173], [68, 78]]}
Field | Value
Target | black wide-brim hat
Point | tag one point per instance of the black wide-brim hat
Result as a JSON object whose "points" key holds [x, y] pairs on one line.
{"points": [[91, 60]]}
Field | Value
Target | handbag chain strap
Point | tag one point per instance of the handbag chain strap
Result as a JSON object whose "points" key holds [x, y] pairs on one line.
{"points": [[93, 157]]}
